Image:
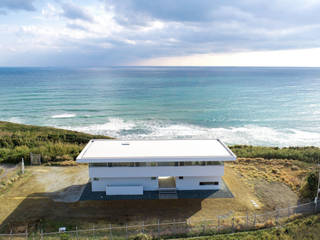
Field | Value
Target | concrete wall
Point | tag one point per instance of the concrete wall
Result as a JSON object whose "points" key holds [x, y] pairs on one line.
{"points": [[193, 183], [147, 183], [187, 183], [124, 190]]}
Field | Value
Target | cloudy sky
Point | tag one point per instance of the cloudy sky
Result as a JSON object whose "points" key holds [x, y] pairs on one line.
{"points": [[165, 32]]}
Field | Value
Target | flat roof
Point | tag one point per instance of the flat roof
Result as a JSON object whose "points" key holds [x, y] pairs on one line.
{"points": [[101, 150]]}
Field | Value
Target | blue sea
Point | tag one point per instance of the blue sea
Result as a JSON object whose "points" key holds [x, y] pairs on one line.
{"points": [[239, 105]]}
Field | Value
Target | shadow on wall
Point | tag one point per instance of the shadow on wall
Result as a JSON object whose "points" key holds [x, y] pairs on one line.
{"points": [[40, 211]]}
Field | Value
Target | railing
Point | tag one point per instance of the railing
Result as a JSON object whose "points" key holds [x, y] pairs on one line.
{"points": [[171, 229]]}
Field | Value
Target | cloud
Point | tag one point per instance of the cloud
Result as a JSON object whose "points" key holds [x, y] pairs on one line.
{"points": [[76, 26], [2, 12], [178, 10], [72, 11], [113, 32], [26, 5]]}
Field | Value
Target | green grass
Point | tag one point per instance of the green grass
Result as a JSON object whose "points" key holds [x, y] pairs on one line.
{"points": [[307, 154], [18, 140]]}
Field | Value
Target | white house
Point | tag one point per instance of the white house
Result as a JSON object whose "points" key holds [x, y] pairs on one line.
{"points": [[131, 167]]}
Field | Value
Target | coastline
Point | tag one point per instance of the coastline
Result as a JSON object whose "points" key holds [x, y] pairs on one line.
{"points": [[59, 145]]}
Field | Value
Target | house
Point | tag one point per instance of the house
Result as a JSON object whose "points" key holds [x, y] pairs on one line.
{"points": [[132, 167]]}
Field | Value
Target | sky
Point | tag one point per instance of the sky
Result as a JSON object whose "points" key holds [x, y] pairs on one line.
{"points": [[99, 33]]}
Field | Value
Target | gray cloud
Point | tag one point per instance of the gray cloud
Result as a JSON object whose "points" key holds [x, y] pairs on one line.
{"points": [[74, 12], [222, 26], [186, 27], [76, 26], [26, 5]]}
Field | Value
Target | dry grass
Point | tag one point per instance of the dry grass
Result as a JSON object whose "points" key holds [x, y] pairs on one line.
{"points": [[289, 172], [30, 200]]}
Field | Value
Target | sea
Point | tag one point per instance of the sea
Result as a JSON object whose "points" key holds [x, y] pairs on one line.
{"points": [[239, 105]]}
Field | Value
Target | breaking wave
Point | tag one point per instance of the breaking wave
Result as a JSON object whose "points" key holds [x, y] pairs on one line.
{"points": [[64, 115], [247, 134]]}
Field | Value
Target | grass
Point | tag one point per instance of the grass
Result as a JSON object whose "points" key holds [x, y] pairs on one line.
{"points": [[307, 154], [289, 172], [54, 145], [302, 228]]}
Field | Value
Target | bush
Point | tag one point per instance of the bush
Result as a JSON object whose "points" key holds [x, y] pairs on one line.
{"points": [[309, 188], [308, 154], [18, 140], [142, 236]]}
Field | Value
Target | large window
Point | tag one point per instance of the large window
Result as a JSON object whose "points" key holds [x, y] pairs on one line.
{"points": [[155, 164]]}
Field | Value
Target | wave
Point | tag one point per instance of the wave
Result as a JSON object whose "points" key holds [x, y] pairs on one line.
{"points": [[247, 134], [64, 115]]}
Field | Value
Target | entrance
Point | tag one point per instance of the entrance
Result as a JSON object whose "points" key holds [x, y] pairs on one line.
{"points": [[167, 182]]}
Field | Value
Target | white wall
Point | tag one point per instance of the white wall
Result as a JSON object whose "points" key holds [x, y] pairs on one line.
{"points": [[187, 183], [116, 172], [124, 190], [147, 183], [193, 183]]}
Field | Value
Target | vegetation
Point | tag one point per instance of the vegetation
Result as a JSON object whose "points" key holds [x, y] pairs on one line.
{"points": [[55, 145], [18, 140], [309, 188], [302, 228], [306, 154], [290, 172]]}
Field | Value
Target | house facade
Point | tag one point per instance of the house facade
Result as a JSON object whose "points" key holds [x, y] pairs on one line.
{"points": [[132, 167]]}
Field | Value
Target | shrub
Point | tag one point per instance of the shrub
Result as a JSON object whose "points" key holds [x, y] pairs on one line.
{"points": [[309, 188], [142, 236], [308, 154], [18, 140]]}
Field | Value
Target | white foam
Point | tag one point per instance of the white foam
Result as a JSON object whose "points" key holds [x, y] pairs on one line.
{"points": [[112, 126], [248, 134], [64, 115], [15, 120]]}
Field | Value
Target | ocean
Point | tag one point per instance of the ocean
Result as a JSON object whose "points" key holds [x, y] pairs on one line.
{"points": [[239, 105]]}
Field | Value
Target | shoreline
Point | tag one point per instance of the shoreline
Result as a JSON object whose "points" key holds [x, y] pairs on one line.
{"points": [[57, 145]]}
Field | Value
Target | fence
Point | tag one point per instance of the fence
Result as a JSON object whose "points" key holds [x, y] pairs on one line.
{"points": [[222, 224]]}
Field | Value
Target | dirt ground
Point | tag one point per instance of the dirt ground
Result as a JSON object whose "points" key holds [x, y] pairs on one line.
{"points": [[49, 196]]}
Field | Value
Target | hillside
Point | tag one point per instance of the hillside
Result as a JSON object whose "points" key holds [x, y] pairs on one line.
{"points": [[18, 140]]}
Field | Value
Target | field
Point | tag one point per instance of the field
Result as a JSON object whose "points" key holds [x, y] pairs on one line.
{"points": [[46, 197]]}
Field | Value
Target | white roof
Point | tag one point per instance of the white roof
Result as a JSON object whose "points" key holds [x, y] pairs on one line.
{"points": [[98, 150]]}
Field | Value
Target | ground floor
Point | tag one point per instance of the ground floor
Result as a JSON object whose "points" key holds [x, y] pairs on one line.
{"points": [[137, 185], [223, 192]]}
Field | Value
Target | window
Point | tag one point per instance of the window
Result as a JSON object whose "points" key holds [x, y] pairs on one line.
{"points": [[208, 183], [153, 178], [155, 164], [95, 179], [181, 177]]}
